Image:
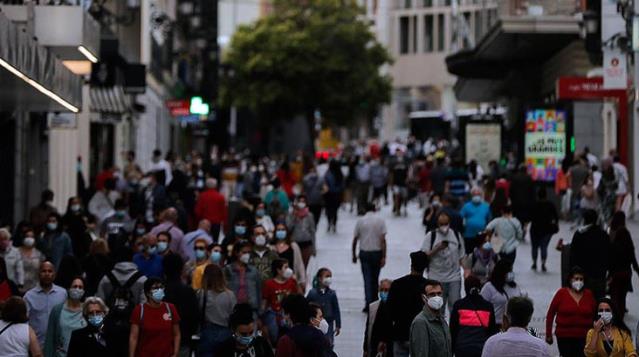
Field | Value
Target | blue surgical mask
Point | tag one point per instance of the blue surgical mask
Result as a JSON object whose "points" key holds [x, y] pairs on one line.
{"points": [[140, 231], [76, 294], [383, 296], [76, 207], [240, 230], [52, 226], [96, 320], [162, 247], [244, 340], [120, 213], [152, 250], [216, 256], [487, 246], [157, 294], [476, 199], [260, 213], [280, 234], [200, 254]]}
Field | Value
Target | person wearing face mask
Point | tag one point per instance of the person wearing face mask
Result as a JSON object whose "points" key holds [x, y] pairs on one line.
{"points": [[96, 264], [273, 292], [263, 219], [500, 288], [429, 219], [148, 261], [216, 302], [244, 342], [64, 319], [429, 332], [510, 233], [243, 278], [322, 295], [302, 338], [42, 298], [92, 340], [211, 205], [117, 227], [301, 226], [571, 308], [55, 243], [472, 321], [476, 214], [276, 200], [238, 233], [200, 261], [609, 336], [262, 256], [370, 232], [377, 336], [164, 244], [313, 188], [481, 262], [39, 214], [155, 325], [31, 260], [445, 250], [317, 318], [286, 249], [12, 258]]}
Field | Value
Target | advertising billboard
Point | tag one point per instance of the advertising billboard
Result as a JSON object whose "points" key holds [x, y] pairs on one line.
{"points": [[545, 143], [483, 142]]}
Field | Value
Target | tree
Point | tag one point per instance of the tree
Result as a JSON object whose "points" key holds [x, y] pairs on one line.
{"points": [[307, 55]]}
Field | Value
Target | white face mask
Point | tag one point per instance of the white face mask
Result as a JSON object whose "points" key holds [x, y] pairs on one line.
{"points": [[288, 273], [577, 285], [323, 326], [606, 316], [260, 240], [444, 229], [245, 258], [328, 281], [29, 242], [435, 303], [301, 205]]}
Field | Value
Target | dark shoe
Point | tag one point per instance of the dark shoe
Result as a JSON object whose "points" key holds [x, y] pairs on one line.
{"points": [[534, 267], [543, 268], [365, 310]]}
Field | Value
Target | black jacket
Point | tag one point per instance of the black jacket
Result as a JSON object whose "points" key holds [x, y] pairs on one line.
{"points": [[84, 343], [405, 302], [543, 219], [185, 301], [472, 322], [589, 250]]}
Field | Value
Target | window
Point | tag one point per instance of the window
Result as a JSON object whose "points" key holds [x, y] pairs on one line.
{"points": [[403, 35], [428, 3], [428, 33], [441, 33], [414, 31], [479, 31]]}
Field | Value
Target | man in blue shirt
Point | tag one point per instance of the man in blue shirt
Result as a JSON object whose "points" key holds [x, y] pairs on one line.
{"points": [[476, 214], [41, 299], [148, 261]]}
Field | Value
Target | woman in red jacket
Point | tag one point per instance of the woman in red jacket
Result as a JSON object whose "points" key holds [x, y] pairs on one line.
{"points": [[572, 309]]}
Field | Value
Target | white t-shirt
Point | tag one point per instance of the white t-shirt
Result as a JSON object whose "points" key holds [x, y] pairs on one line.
{"points": [[14, 341]]}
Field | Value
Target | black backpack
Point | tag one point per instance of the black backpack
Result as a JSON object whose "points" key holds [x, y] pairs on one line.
{"points": [[121, 302]]}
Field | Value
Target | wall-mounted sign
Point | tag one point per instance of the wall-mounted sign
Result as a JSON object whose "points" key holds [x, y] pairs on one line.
{"points": [[63, 120], [545, 143], [483, 142]]}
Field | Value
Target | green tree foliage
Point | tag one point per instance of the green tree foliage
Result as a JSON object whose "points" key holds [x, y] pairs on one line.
{"points": [[307, 55]]}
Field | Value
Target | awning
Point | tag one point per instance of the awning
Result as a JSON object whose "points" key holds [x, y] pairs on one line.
{"points": [[513, 43], [109, 100], [32, 78]]}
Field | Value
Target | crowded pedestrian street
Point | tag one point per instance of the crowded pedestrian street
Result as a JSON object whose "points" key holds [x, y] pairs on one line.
{"points": [[405, 235]]}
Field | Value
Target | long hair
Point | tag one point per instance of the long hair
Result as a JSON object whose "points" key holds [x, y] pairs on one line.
{"points": [[617, 318], [213, 279], [498, 276]]}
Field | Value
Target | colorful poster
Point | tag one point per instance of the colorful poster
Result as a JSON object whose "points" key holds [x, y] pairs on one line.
{"points": [[545, 143]]}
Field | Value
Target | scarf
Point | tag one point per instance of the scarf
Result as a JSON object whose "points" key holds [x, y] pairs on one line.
{"points": [[301, 212]]}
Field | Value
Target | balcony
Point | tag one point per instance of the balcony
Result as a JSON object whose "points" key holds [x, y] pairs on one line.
{"points": [[59, 29], [519, 8]]}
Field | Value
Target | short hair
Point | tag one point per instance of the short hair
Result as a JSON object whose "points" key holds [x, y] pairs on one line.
{"points": [[277, 264], [123, 254], [5, 232], [576, 270], [166, 234], [519, 311], [148, 284], [418, 260], [242, 315], [314, 309], [15, 310], [296, 306], [507, 209], [94, 300], [211, 182], [431, 282], [47, 195]]}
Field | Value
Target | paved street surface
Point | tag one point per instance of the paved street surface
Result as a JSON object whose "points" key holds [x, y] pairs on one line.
{"points": [[405, 234]]}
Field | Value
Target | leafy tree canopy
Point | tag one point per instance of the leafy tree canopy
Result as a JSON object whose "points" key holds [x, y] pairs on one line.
{"points": [[307, 55]]}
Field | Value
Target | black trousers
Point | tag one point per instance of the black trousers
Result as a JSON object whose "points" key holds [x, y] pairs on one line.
{"points": [[571, 347]]}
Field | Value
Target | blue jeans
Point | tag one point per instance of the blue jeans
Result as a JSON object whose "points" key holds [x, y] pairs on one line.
{"points": [[540, 243], [371, 263], [452, 293], [401, 349], [211, 337], [269, 319]]}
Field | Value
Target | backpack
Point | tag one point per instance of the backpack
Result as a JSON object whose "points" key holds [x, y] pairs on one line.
{"points": [[120, 302]]}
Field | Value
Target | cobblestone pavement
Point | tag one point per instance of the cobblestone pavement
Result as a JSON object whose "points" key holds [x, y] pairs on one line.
{"points": [[405, 234]]}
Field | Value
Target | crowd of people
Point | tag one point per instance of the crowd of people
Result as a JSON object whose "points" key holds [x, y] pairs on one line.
{"points": [[209, 256]]}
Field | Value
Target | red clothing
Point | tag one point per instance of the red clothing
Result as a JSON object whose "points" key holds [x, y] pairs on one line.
{"points": [[156, 330], [573, 320], [211, 205], [5, 291], [287, 181], [503, 184], [101, 178], [274, 292], [424, 180]]}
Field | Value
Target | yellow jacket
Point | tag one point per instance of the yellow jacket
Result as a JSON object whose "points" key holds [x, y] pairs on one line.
{"points": [[622, 345]]}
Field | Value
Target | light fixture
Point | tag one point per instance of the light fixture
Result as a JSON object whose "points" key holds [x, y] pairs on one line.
{"points": [[198, 106], [90, 56], [38, 86]]}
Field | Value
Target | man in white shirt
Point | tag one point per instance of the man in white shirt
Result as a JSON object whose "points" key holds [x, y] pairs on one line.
{"points": [[159, 164], [516, 341]]}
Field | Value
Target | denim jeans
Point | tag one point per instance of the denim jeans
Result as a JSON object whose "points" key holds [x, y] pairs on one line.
{"points": [[371, 263], [540, 243], [269, 319], [211, 337], [452, 293]]}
